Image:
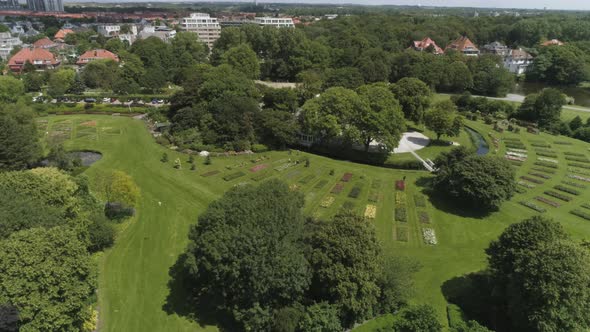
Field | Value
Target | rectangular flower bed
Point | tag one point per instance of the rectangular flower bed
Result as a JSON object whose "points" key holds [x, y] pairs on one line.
{"points": [[429, 236], [513, 158], [420, 201], [258, 168], [355, 191], [541, 145], [540, 175], [261, 176], [292, 174], [210, 173], [546, 154], [400, 198], [580, 214], [400, 185], [327, 201], [579, 177], [423, 217], [545, 164], [401, 234], [337, 188], [284, 166], [533, 206], [401, 214], [307, 179], [533, 180], [348, 205], [544, 170], [576, 154], [370, 211], [515, 145], [547, 201], [233, 176], [549, 160], [567, 189], [320, 184], [562, 143], [376, 184], [346, 177], [586, 206], [520, 190], [525, 184], [374, 196], [517, 154], [579, 171], [518, 150], [575, 158], [574, 184], [580, 165], [557, 195]]}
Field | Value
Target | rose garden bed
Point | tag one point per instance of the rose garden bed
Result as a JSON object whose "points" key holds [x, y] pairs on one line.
{"points": [[567, 190], [423, 217], [346, 177], [546, 164], [540, 175], [557, 195], [547, 201], [530, 179], [355, 191], [419, 201], [533, 206], [370, 211], [401, 214], [258, 168], [373, 196], [233, 176], [320, 184], [401, 234], [574, 184], [210, 173], [337, 188], [307, 179], [429, 236], [400, 185]]}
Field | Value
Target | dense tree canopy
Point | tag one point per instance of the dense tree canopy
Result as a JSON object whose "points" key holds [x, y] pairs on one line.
{"points": [[414, 97], [19, 142], [543, 108], [443, 119]]}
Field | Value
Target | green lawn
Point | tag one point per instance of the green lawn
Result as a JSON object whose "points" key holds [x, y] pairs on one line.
{"points": [[134, 273]]}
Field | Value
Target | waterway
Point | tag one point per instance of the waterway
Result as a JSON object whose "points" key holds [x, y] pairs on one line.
{"points": [[480, 143], [581, 95]]}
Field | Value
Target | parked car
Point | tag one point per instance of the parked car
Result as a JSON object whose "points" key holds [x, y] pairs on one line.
{"points": [[90, 100]]}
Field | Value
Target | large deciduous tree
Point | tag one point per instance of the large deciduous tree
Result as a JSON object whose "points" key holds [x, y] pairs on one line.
{"points": [[544, 107], [19, 142], [10, 89], [61, 81], [443, 119], [414, 96], [242, 58]]}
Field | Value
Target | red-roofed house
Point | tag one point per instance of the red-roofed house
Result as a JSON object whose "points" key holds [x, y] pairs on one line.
{"points": [[463, 45], [44, 43], [98, 54], [551, 42], [60, 36], [425, 44], [40, 58]]}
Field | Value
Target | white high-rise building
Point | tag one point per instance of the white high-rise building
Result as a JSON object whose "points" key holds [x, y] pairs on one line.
{"points": [[7, 44], [206, 27], [279, 22]]}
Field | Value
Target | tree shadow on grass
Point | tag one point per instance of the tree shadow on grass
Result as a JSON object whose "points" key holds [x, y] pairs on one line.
{"points": [[444, 202], [473, 293], [182, 301]]}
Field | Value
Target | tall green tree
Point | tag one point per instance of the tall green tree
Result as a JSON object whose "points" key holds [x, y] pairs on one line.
{"points": [[10, 89], [414, 96], [242, 58], [60, 81], [543, 108], [19, 142], [443, 119]]}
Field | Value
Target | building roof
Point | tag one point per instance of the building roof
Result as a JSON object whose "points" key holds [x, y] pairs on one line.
{"points": [[62, 33], [43, 43], [97, 54], [461, 44], [519, 54], [552, 42], [32, 55], [425, 43]]}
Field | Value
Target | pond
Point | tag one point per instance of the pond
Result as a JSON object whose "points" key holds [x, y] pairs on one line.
{"points": [[581, 95], [480, 143], [87, 157]]}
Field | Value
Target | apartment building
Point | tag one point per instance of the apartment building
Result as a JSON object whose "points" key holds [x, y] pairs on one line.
{"points": [[279, 22], [206, 27], [45, 5], [7, 44]]}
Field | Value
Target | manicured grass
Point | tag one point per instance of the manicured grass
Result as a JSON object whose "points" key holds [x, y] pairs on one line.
{"points": [[134, 273]]}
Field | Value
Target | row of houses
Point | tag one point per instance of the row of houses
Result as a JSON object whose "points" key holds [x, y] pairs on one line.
{"points": [[515, 60], [42, 58]]}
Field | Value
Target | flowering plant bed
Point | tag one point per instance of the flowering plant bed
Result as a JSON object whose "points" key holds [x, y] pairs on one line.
{"points": [[401, 214], [258, 168], [515, 145], [562, 143], [533, 206], [327, 201], [513, 158], [307, 179], [575, 158], [429, 236], [284, 166], [423, 217], [261, 176], [544, 170], [549, 160], [537, 181], [210, 173], [518, 150], [525, 184], [374, 196], [355, 192], [586, 206], [546, 154], [540, 175], [292, 174], [516, 154], [545, 164], [233, 176], [541, 145], [294, 187], [348, 205], [337, 188], [568, 153], [402, 234], [566, 189], [370, 211], [586, 166], [376, 184], [320, 184], [580, 214], [420, 201], [578, 177], [346, 177], [547, 201], [579, 171], [400, 198], [574, 184], [400, 185], [557, 195], [520, 190]]}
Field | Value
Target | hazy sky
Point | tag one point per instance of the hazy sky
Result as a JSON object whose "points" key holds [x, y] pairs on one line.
{"points": [[539, 4]]}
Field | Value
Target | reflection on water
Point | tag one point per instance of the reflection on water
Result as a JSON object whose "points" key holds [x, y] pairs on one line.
{"points": [[581, 95]]}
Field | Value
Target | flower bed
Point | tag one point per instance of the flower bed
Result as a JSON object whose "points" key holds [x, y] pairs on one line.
{"points": [[518, 150], [549, 160], [579, 171], [294, 187], [580, 214], [541, 145], [520, 190], [576, 154], [210, 173], [261, 176], [400, 185], [370, 211], [586, 206], [355, 192], [233, 176], [376, 184], [337, 188], [525, 184], [546, 154], [327, 201], [429, 236], [516, 154], [574, 184], [258, 168], [547, 201], [402, 234], [544, 170], [292, 174], [374, 196], [537, 181], [575, 158], [533, 206], [284, 166], [423, 217], [539, 175], [562, 143], [515, 145], [567, 190], [400, 198], [557, 195], [586, 166], [401, 214], [545, 164], [346, 177], [307, 179], [348, 205], [513, 158], [578, 177], [320, 184], [420, 201]]}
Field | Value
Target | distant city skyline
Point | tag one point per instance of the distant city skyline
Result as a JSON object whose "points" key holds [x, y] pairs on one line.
{"points": [[504, 4]]}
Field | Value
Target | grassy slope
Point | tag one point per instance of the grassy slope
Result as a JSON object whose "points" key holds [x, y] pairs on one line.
{"points": [[133, 278]]}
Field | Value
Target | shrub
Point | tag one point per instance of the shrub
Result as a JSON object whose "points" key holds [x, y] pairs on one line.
{"points": [[567, 190], [307, 162], [580, 214], [355, 192], [259, 148], [193, 167], [101, 235], [164, 158], [208, 160], [401, 214], [331, 172], [233, 176], [177, 163], [191, 159], [423, 217], [118, 211]]}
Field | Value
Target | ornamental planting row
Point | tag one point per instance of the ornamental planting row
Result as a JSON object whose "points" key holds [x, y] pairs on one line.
{"points": [[547, 201], [567, 189], [533, 206], [557, 195]]}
